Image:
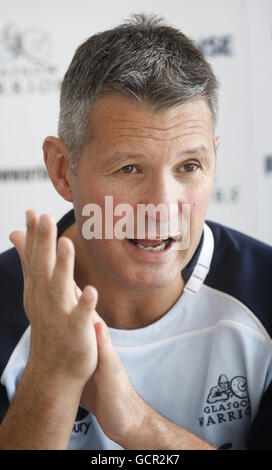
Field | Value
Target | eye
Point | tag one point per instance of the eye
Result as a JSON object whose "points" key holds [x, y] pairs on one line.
{"points": [[128, 169], [189, 167]]}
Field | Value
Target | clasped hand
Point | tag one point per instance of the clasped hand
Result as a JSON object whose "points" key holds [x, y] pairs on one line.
{"points": [[70, 343]]}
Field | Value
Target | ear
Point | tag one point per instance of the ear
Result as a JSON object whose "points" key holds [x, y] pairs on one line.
{"points": [[57, 164]]}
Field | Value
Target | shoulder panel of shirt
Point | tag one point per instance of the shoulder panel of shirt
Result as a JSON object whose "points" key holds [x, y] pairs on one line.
{"points": [[242, 267]]}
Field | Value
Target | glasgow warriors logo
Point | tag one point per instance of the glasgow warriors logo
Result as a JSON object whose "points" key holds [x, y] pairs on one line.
{"points": [[226, 389], [227, 401]]}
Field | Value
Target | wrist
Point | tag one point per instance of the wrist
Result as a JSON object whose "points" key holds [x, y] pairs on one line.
{"points": [[158, 433], [54, 393], [137, 425], [51, 382], [44, 410]]}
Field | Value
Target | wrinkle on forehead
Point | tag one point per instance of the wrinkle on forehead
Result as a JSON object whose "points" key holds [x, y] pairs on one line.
{"points": [[144, 133], [167, 133], [117, 109], [115, 122], [181, 129], [163, 129]]}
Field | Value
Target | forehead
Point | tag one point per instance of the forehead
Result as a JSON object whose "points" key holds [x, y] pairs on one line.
{"points": [[114, 114]]}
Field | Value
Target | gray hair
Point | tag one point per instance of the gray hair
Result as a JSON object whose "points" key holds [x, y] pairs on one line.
{"points": [[143, 59]]}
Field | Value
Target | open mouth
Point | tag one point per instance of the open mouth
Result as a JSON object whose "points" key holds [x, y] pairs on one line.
{"points": [[152, 245]]}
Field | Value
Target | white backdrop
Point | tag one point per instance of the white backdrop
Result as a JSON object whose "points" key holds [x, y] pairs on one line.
{"points": [[37, 42]]}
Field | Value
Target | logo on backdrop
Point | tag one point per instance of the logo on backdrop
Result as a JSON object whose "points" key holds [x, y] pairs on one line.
{"points": [[222, 195], [26, 64], [23, 174], [268, 164]]}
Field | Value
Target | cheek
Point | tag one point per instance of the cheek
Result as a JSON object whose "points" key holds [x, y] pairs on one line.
{"points": [[199, 201], [88, 192]]}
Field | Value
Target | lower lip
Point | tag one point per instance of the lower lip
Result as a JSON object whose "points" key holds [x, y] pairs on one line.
{"points": [[149, 255]]}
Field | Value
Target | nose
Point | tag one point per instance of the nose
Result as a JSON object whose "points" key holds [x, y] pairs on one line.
{"points": [[163, 189], [161, 203]]}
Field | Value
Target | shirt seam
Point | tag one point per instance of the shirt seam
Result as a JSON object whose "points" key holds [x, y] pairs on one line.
{"points": [[233, 323], [243, 307]]}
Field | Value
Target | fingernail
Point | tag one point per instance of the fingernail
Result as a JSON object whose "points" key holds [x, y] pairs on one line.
{"points": [[42, 227], [61, 250], [88, 294]]}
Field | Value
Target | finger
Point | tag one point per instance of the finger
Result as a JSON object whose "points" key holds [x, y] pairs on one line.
{"points": [[108, 359], [85, 309], [78, 291], [44, 251], [62, 284], [18, 239], [102, 334], [32, 219]]}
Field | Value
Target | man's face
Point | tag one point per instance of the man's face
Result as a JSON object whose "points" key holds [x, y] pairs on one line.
{"points": [[141, 157]]}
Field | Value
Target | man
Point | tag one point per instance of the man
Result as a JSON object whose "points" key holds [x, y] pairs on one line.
{"points": [[134, 343]]}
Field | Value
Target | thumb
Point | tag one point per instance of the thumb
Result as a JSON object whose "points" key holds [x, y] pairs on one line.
{"points": [[17, 238], [102, 334], [108, 358]]}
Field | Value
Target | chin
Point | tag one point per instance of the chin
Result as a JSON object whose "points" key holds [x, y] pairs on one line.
{"points": [[149, 280]]}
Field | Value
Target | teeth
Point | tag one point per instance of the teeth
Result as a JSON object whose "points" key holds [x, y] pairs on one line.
{"points": [[153, 248], [175, 237], [164, 244]]}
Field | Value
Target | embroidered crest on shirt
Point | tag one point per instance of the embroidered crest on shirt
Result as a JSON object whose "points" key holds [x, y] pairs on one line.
{"points": [[227, 401]]}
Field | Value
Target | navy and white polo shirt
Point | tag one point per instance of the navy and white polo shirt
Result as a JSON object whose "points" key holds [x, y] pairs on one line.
{"points": [[206, 365]]}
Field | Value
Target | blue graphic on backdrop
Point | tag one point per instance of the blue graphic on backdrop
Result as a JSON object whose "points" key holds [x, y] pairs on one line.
{"points": [[268, 164], [213, 46]]}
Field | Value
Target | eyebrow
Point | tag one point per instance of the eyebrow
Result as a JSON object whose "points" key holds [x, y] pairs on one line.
{"points": [[120, 158]]}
